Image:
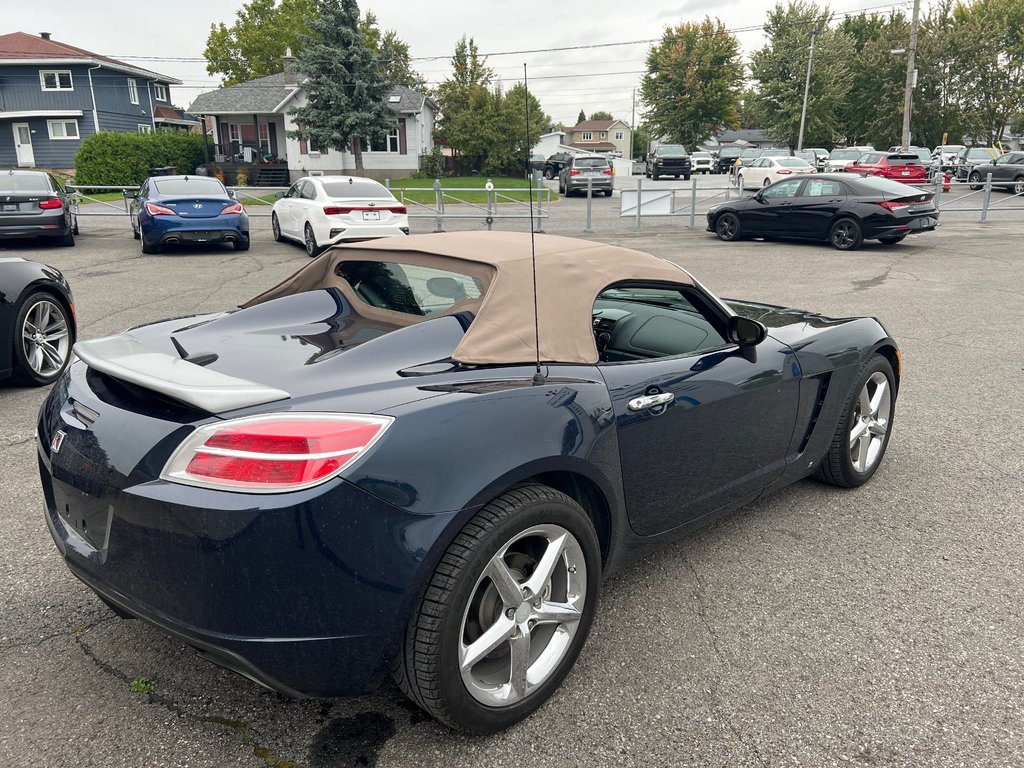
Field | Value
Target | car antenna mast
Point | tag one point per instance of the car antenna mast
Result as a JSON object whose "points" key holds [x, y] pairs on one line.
{"points": [[538, 376]]}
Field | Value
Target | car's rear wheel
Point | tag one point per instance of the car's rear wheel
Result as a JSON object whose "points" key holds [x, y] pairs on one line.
{"points": [[727, 227], [309, 240], [241, 244], [892, 240], [68, 239], [1018, 185], [146, 247], [846, 235], [42, 344], [865, 425], [506, 613], [766, 183], [275, 227], [975, 180]]}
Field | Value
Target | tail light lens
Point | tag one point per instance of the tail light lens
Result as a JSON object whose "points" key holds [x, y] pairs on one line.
{"points": [[608, 172], [234, 208], [50, 203], [333, 210], [158, 210], [783, 171], [398, 209], [574, 172], [273, 453], [892, 205]]}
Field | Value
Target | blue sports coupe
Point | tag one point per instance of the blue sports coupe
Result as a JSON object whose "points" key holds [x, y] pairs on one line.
{"points": [[186, 209], [420, 457]]}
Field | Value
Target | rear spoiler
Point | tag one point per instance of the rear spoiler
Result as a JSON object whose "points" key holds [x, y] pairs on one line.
{"points": [[128, 359]]}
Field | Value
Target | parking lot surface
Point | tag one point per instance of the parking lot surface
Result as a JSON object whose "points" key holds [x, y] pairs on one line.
{"points": [[820, 627]]}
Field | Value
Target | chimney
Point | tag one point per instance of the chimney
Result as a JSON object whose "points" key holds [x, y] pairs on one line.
{"points": [[291, 72], [44, 35]]}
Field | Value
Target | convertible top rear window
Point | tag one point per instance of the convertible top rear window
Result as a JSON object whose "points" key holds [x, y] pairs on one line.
{"points": [[409, 288], [195, 185]]}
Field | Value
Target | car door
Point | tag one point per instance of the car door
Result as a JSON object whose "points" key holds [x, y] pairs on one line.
{"points": [[289, 209], [135, 204], [766, 216], [810, 213], [723, 418], [753, 174]]}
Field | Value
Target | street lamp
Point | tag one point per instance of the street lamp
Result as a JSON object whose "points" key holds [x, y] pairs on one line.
{"points": [[807, 90]]}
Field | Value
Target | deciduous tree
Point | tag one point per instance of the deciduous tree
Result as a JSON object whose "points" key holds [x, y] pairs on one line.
{"points": [[254, 45], [601, 115]]}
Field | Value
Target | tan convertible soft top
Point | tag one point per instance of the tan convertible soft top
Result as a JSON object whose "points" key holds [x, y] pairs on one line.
{"points": [[570, 275]]}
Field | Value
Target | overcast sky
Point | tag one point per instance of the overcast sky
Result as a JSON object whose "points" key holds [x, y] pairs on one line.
{"points": [[169, 38]]}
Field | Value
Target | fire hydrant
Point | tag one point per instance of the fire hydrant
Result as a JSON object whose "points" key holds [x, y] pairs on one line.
{"points": [[945, 181]]}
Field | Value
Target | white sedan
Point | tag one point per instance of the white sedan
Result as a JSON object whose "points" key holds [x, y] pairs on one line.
{"points": [[767, 170], [321, 211]]}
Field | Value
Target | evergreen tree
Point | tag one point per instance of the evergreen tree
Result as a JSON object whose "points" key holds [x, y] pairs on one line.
{"points": [[346, 93], [582, 118]]}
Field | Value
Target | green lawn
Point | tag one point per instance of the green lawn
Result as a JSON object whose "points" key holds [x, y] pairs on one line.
{"points": [[422, 190]]}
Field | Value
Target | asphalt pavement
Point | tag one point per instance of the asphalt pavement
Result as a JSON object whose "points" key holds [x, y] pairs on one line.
{"points": [[819, 627]]}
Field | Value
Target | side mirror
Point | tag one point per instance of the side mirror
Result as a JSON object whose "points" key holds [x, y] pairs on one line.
{"points": [[70, 189], [758, 196], [746, 332], [279, 195], [231, 194], [131, 195]]}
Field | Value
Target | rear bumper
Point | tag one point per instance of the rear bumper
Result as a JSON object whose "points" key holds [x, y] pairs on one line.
{"points": [[599, 185], [160, 230], [39, 225], [355, 232], [925, 222]]}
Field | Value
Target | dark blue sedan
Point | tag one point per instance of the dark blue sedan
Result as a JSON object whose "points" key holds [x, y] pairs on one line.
{"points": [[187, 209], [421, 456]]}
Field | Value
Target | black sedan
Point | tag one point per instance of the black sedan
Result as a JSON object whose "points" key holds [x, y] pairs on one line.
{"points": [[393, 463], [37, 322], [35, 204], [842, 209], [1007, 173]]}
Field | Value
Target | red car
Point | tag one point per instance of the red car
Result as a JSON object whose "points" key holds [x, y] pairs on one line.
{"points": [[907, 168]]}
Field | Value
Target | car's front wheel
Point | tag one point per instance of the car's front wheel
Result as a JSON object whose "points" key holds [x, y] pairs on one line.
{"points": [[275, 227], [975, 180], [309, 240], [506, 612], [1018, 185], [727, 227], [865, 425], [549, 174], [846, 235], [42, 344]]}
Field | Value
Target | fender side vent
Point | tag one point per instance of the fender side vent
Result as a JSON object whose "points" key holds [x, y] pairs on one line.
{"points": [[819, 402]]}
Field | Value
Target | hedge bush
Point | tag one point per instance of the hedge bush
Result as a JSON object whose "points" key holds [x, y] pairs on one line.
{"points": [[109, 158]]}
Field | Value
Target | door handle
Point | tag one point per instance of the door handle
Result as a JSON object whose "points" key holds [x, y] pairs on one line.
{"points": [[650, 401]]}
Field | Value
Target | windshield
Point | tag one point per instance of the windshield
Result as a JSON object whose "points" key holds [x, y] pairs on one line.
{"points": [[981, 153], [752, 153], [924, 155], [731, 152], [702, 155], [845, 154], [805, 154], [23, 182], [775, 153], [196, 185], [360, 189], [672, 150]]}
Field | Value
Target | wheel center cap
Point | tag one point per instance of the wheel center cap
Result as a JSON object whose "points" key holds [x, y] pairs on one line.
{"points": [[523, 612]]}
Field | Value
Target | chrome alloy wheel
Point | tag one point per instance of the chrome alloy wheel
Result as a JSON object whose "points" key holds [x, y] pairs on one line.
{"points": [[522, 616], [44, 338], [870, 423]]}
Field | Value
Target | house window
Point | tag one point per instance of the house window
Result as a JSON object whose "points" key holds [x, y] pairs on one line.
{"points": [[234, 132], [588, 136], [604, 135], [159, 92], [619, 135], [133, 91], [62, 129], [145, 128], [387, 143], [265, 136], [56, 80]]}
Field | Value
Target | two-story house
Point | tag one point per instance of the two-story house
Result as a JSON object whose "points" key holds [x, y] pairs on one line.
{"points": [[53, 95], [606, 136]]}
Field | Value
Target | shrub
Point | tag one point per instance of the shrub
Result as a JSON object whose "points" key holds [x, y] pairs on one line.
{"points": [[431, 165], [109, 158]]}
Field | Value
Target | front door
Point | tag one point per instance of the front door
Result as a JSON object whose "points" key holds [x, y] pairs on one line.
{"points": [[23, 145], [768, 215]]}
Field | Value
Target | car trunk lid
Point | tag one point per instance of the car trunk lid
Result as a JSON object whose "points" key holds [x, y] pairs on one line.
{"points": [[196, 207]]}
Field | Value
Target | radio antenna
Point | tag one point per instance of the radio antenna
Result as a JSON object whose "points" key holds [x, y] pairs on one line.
{"points": [[538, 376]]}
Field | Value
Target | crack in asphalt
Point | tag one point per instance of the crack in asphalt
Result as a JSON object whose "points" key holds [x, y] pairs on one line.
{"points": [[871, 282]]}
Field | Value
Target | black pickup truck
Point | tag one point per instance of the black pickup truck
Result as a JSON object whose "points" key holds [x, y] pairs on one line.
{"points": [[668, 160], [554, 164]]}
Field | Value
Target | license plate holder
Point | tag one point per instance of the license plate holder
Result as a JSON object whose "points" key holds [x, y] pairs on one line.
{"points": [[371, 215], [8, 207]]}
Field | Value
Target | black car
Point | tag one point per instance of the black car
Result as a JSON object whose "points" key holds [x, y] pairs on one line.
{"points": [[37, 322], [842, 209], [668, 160], [35, 204], [726, 160], [1007, 173], [555, 163], [393, 463]]}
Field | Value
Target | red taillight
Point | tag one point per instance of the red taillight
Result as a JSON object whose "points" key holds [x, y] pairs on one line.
{"points": [[607, 172], [274, 453], [332, 210], [574, 172], [158, 210], [50, 203], [783, 171], [891, 205], [398, 209], [234, 208]]}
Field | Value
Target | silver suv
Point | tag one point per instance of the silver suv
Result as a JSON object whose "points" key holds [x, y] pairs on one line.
{"points": [[586, 170]]}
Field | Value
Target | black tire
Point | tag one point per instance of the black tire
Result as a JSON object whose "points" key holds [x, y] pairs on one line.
{"points": [[241, 244], [1018, 186], [74, 228], [765, 183], [608, 193], [686, 177], [309, 241], [837, 466], [549, 174], [727, 227], [275, 227], [135, 233], [23, 372], [975, 180], [146, 247], [892, 240], [846, 235], [427, 669], [654, 175], [67, 240]]}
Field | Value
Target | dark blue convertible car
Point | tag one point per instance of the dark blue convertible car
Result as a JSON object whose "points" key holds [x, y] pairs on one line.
{"points": [[405, 460]]}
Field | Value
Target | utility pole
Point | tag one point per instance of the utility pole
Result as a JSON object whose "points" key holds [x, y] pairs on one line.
{"points": [[632, 126], [807, 89], [908, 94]]}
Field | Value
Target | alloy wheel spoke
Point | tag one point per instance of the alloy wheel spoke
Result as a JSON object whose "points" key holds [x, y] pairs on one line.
{"points": [[546, 566], [499, 632], [56, 335], [42, 313], [35, 358], [556, 613], [857, 432], [878, 428], [881, 392], [520, 666], [51, 354], [508, 588], [863, 447]]}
